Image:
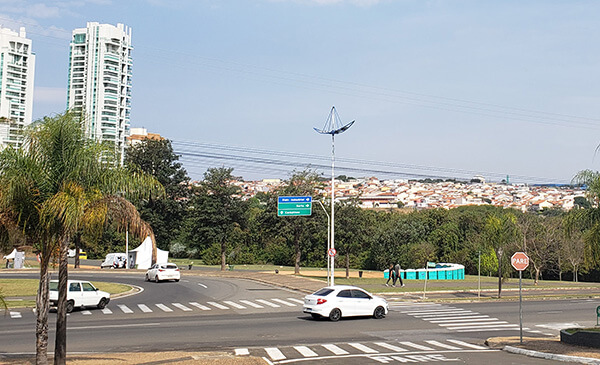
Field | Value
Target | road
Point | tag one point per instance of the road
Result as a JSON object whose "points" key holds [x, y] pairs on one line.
{"points": [[245, 317]]}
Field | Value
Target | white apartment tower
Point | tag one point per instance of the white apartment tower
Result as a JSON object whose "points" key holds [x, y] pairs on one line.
{"points": [[17, 66], [100, 81]]}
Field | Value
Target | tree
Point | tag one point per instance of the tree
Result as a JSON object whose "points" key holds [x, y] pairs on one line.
{"points": [[352, 230], [163, 213], [58, 183], [500, 232], [216, 210]]}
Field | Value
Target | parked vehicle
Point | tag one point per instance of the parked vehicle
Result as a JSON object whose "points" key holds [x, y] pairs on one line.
{"points": [[167, 271], [80, 294], [340, 301], [114, 261]]}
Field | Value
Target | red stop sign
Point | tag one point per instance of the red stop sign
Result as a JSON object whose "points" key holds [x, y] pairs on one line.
{"points": [[520, 261]]}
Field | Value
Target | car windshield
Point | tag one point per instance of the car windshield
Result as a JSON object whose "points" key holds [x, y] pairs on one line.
{"points": [[54, 285], [323, 292]]}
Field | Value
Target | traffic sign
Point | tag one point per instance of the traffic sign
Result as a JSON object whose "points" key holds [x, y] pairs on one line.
{"points": [[294, 206], [520, 261], [331, 252]]}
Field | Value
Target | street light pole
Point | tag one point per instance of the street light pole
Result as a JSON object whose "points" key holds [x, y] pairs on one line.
{"points": [[328, 241], [333, 125]]}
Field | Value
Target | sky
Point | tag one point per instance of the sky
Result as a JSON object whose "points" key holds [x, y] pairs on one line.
{"points": [[437, 88]]}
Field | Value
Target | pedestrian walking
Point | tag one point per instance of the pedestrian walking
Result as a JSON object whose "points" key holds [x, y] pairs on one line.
{"points": [[397, 275], [391, 274]]}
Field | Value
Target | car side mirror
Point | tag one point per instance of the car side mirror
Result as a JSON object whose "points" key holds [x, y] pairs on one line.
{"points": [[96, 289]]}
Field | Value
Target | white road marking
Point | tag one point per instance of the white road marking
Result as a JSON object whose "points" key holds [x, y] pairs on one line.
{"points": [[305, 351], [86, 313], [466, 344], [144, 308], [197, 305], [442, 345], [262, 301], [456, 313], [241, 352], [124, 308], [163, 307], [390, 347], [463, 319], [106, 311], [217, 305], [472, 324], [335, 349], [482, 326], [416, 346], [299, 301], [363, 348], [516, 328], [424, 311], [247, 302], [234, 304], [202, 285], [182, 307], [274, 353], [283, 302], [15, 315]]}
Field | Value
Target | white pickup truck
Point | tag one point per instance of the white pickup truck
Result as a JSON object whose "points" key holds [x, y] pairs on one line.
{"points": [[80, 294]]}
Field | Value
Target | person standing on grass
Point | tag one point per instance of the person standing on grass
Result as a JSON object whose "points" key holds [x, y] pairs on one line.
{"points": [[391, 274], [397, 275]]}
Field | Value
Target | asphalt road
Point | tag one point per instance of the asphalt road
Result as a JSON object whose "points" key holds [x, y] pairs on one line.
{"points": [[245, 317]]}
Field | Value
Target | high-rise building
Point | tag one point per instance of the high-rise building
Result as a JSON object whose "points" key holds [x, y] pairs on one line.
{"points": [[100, 81], [17, 66]]}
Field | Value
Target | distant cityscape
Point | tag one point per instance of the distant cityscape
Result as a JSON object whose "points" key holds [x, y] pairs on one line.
{"points": [[373, 193]]}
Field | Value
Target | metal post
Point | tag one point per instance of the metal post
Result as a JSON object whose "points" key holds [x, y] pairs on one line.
{"points": [[127, 248], [520, 309], [328, 241], [332, 208], [479, 276]]}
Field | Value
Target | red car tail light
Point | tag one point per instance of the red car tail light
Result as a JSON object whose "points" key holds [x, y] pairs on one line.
{"points": [[321, 301], [161, 270]]}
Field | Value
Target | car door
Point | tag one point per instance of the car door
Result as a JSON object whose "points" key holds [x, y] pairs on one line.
{"points": [[75, 293], [363, 303], [345, 302], [89, 294], [152, 272]]}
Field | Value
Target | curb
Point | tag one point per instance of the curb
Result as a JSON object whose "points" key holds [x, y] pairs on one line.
{"points": [[547, 356]]}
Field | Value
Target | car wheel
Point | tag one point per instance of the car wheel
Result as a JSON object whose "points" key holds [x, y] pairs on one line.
{"points": [[335, 315], [70, 306], [176, 280], [156, 279], [379, 312], [315, 315], [102, 303], [147, 278]]}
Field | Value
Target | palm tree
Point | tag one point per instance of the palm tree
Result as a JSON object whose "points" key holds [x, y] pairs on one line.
{"points": [[60, 183]]}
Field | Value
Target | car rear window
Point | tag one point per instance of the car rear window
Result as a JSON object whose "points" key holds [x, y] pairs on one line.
{"points": [[171, 266], [323, 292]]}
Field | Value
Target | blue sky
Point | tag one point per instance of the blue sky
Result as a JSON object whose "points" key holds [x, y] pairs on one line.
{"points": [[447, 87]]}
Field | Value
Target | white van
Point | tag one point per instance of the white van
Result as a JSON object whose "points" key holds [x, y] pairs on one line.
{"points": [[113, 260]]}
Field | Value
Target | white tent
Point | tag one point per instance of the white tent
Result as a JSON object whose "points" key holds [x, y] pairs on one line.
{"points": [[142, 255], [11, 256]]}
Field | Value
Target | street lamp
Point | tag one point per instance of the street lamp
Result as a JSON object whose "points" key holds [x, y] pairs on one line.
{"points": [[328, 239], [333, 125]]}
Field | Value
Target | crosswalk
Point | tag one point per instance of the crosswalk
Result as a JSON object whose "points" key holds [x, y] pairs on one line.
{"points": [[458, 319], [242, 304], [404, 351]]}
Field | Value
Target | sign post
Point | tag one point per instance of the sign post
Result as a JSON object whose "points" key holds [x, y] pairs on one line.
{"points": [[520, 261], [289, 206]]}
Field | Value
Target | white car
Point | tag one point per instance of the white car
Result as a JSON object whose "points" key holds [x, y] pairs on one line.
{"points": [[80, 294], [167, 271], [340, 301]]}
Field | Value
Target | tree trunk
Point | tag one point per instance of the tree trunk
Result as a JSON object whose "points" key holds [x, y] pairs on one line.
{"points": [[153, 247], [297, 249], [575, 276], [42, 306], [537, 276], [77, 249], [347, 265], [60, 346], [223, 249]]}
